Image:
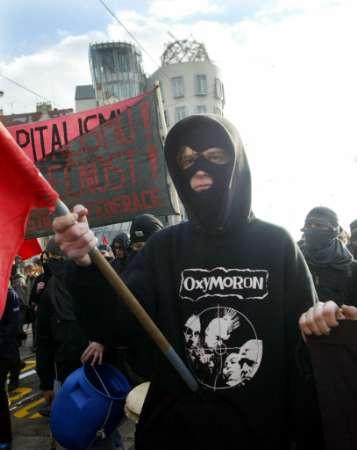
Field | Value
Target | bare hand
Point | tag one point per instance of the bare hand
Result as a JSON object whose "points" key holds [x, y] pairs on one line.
{"points": [[73, 235], [94, 353], [48, 396], [320, 319], [350, 312]]}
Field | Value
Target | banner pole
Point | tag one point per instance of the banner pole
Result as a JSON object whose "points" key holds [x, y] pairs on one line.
{"points": [[173, 219], [135, 307]]}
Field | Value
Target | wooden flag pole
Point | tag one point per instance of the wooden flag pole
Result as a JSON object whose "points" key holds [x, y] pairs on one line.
{"points": [[135, 307]]}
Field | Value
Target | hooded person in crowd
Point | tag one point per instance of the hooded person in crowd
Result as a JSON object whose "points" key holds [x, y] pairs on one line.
{"points": [[352, 246], [120, 247], [227, 290], [332, 267], [9, 355], [142, 228]]}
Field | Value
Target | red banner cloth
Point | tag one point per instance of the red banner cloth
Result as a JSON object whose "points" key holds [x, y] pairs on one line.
{"points": [[29, 248], [22, 188], [39, 139]]}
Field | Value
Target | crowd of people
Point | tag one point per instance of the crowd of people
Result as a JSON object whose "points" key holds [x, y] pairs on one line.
{"points": [[228, 290]]}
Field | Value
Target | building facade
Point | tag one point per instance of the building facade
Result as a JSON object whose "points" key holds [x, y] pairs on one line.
{"points": [[85, 98], [116, 69], [43, 111], [190, 82]]}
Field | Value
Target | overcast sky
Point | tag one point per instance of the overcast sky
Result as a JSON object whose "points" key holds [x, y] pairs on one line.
{"points": [[289, 68]]}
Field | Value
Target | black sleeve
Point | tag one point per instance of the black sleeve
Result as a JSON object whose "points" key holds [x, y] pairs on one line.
{"points": [[300, 295], [45, 363], [103, 316]]}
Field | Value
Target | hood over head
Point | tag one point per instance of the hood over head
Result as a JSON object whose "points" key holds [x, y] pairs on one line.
{"points": [[227, 203], [323, 216], [123, 238], [143, 226]]}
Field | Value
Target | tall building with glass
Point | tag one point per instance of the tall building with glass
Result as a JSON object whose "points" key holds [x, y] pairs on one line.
{"points": [[116, 69]]}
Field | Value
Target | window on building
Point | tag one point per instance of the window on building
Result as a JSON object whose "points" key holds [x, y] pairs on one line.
{"points": [[201, 109], [180, 113], [108, 60], [178, 89], [201, 85]]}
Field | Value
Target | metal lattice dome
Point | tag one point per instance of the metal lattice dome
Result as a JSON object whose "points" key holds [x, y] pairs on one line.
{"points": [[181, 51]]}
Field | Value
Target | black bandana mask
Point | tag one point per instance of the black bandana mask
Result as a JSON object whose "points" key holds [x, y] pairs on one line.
{"points": [[318, 239], [207, 205]]}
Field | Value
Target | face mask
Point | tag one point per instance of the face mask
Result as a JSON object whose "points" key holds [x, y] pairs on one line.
{"points": [[318, 239], [207, 204]]}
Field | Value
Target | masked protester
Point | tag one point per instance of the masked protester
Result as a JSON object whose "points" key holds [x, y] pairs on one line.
{"points": [[352, 246], [331, 264], [227, 290]]}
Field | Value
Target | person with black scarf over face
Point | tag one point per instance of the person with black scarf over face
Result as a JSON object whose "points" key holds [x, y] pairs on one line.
{"points": [[332, 267], [227, 290]]}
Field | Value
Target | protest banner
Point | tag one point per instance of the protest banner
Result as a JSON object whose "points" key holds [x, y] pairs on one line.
{"points": [[116, 170], [39, 139]]}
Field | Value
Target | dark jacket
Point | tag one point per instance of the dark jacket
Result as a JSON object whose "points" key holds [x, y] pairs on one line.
{"points": [[228, 299], [60, 340], [337, 285], [9, 326]]}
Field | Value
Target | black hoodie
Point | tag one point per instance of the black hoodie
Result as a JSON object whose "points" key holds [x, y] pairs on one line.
{"points": [[228, 297]]}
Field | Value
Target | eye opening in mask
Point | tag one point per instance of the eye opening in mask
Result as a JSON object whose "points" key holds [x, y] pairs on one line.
{"points": [[311, 225], [186, 156]]}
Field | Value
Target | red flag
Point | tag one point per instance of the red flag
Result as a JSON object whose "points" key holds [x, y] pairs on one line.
{"points": [[30, 247], [22, 188]]}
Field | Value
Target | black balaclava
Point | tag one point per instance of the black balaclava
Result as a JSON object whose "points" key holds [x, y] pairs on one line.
{"points": [[226, 206], [206, 203], [199, 139], [322, 247]]}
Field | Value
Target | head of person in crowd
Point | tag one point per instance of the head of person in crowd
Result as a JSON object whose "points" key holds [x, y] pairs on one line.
{"points": [[322, 245], [120, 245], [142, 227], [207, 162], [343, 236], [106, 251], [30, 269], [37, 263], [18, 267]]}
